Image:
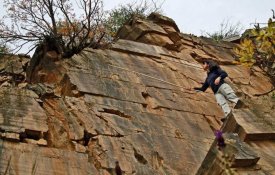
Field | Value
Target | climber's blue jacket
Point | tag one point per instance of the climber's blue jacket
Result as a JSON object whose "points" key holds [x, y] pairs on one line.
{"points": [[214, 73]]}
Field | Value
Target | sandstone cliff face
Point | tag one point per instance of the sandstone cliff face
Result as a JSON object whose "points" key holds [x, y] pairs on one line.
{"points": [[133, 103]]}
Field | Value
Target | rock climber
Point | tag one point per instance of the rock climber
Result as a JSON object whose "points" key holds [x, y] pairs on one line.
{"points": [[215, 79]]}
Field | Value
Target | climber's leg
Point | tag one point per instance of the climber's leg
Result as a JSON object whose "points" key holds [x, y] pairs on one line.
{"points": [[229, 93], [223, 103]]}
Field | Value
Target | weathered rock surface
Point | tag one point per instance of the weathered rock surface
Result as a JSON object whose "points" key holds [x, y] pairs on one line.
{"points": [[250, 126], [236, 154], [133, 103], [13, 70], [21, 114], [22, 158]]}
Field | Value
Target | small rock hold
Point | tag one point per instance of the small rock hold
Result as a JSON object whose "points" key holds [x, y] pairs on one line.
{"points": [[40, 142], [79, 148], [75, 92], [39, 101], [10, 136], [22, 85], [257, 167], [6, 84]]}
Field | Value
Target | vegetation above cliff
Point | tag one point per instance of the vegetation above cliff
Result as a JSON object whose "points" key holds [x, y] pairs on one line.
{"points": [[258, 48], [68, 26]]}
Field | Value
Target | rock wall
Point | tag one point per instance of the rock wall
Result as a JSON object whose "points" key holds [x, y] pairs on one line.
{"points": [[133, 103]]}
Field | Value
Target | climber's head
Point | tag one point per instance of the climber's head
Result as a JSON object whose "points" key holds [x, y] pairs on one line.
{"points": [[209, 65], [205, 65]]}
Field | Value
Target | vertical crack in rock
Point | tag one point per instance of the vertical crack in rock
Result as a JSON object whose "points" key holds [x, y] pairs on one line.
{"points": [[116, 134], [140, 158], [58, 134], [96, 154], [157, 160], [86, 138], [67, 88]]}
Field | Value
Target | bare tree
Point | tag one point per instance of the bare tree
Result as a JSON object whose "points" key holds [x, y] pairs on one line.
{"points": [[54, 22], [227, 30]]}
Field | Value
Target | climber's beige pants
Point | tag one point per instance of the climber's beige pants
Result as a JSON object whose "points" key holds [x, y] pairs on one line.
{"points": [[223, 93]]}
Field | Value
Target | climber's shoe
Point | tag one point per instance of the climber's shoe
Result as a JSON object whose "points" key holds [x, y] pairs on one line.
{"points": [[226, 117], [239, 104]]}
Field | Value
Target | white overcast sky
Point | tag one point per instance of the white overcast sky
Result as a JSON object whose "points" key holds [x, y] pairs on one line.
{"points": [[195, 16]]}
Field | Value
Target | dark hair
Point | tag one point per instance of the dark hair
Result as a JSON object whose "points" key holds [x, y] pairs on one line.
{"points": [[212, 64]]}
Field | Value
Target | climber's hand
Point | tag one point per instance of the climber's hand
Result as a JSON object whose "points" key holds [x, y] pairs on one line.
{"points": [[197, 89], [217, 81]]}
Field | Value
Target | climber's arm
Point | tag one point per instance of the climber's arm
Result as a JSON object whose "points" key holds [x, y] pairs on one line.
{"points": [[203, 88]]}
